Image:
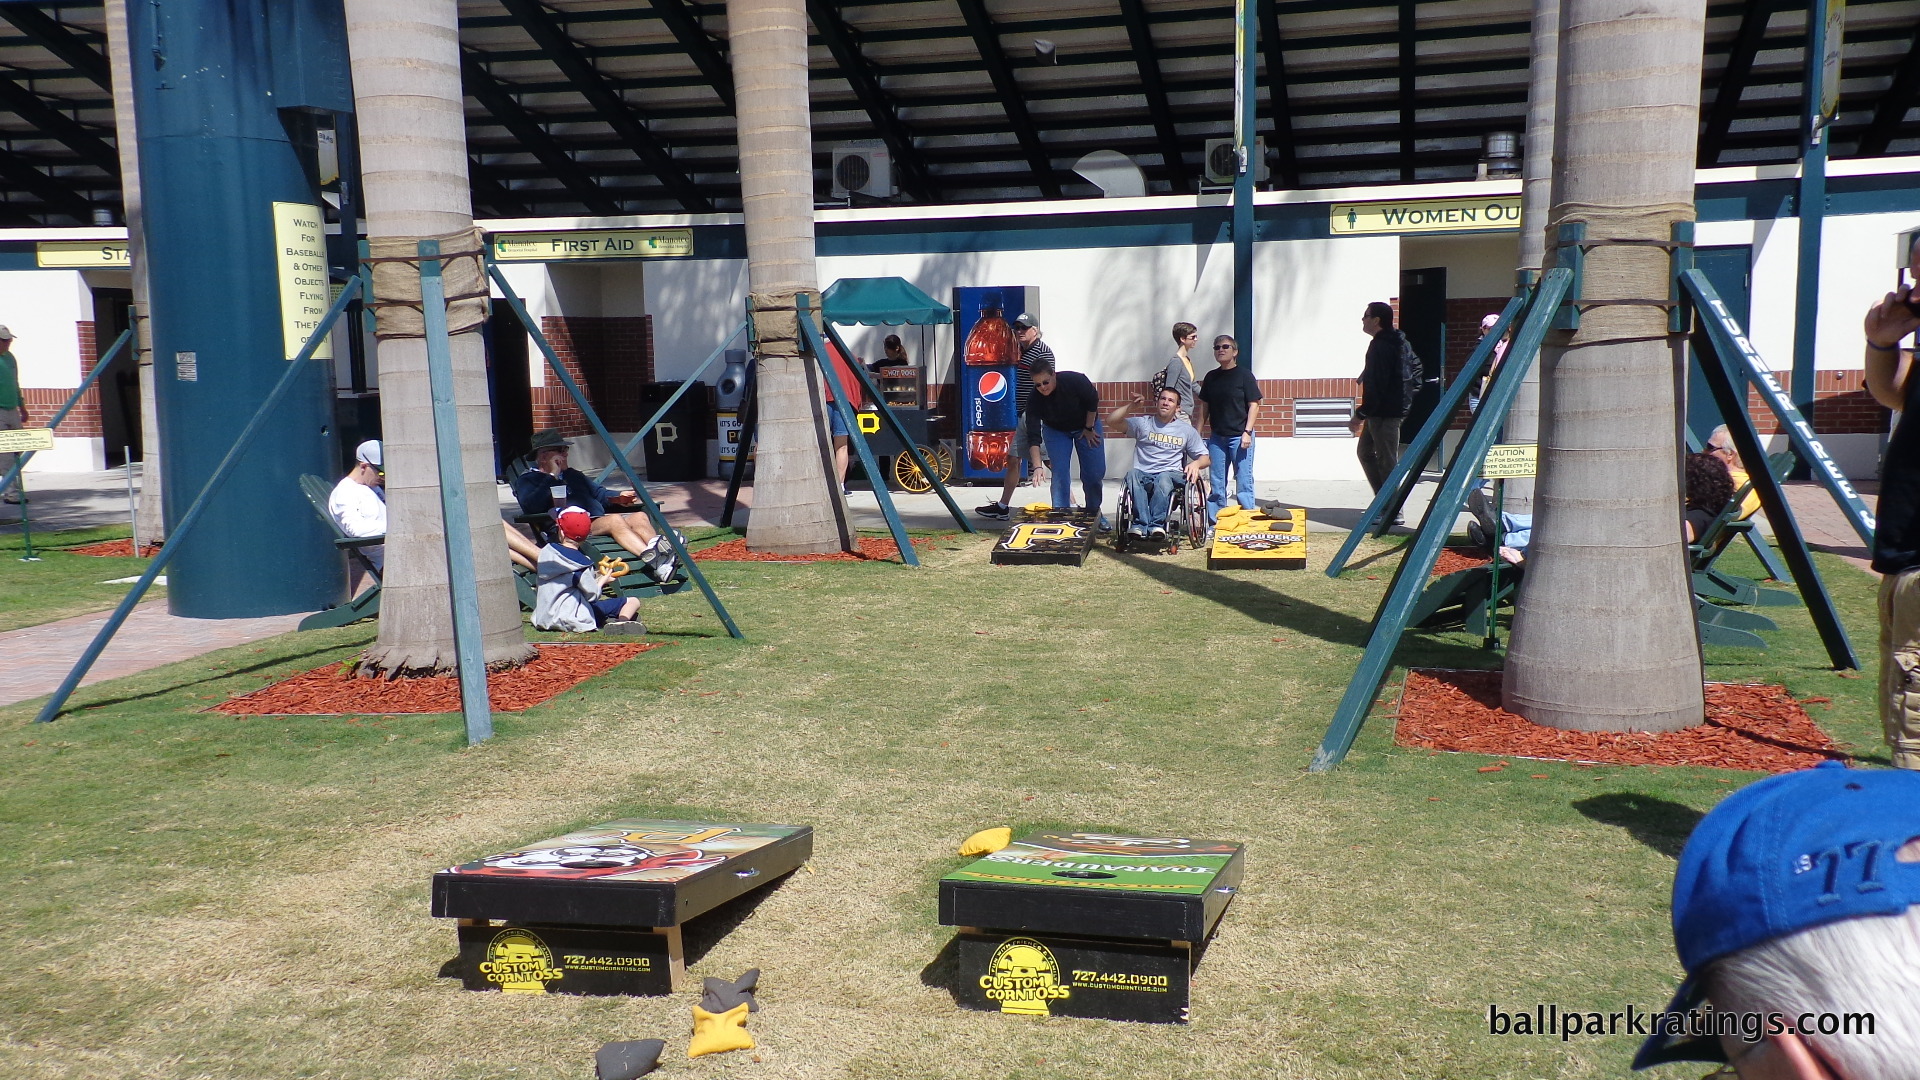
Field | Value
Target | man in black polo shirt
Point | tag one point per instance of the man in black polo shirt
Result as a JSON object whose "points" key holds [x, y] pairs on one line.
{"points": [[1064, 416], [1896, 538], [1229, 401]]}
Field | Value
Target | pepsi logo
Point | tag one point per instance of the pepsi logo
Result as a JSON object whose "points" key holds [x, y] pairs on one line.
{"points": [[993, 386]]}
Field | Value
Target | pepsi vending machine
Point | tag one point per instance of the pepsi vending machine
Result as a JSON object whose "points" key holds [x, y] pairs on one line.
{"points": [[987, 355]]}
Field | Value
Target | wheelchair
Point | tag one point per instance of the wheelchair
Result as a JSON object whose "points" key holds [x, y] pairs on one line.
{"points": [[1186, 521]]}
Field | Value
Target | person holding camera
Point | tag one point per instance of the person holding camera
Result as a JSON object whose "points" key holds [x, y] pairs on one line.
{"points": [[1896, 539]]}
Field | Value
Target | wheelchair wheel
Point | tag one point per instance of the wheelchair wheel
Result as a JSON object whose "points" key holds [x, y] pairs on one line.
{"points": [[1122, 520], [1195, 518]]}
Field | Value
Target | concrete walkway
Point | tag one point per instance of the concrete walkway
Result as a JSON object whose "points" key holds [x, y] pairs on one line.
{"points": [[38, 657]]}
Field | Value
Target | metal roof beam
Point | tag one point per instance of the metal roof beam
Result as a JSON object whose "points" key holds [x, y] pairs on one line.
{"points": [[491, 191], [1001, 71], [1894, 104], [566, 54], [866, 87], [1140, 37], [60, 40], [1277, 93], [57, 125], [1407, 41], [701, 48], [59, 195], [1733, 79], [494, 97]]}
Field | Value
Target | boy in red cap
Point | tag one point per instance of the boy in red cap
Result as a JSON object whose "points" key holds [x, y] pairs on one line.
{"points": [[568, 597]]}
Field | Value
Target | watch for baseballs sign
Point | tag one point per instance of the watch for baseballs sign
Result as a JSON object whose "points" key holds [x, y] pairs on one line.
{"points": [[22, 440], [1509, 460], [300, 250]]}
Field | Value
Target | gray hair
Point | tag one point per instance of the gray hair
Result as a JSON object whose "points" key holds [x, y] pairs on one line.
{"points": [[1863, 965]]}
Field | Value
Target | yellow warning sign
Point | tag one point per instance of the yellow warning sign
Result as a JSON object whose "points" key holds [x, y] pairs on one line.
{"points": [[21, 440], [1510, 460]]}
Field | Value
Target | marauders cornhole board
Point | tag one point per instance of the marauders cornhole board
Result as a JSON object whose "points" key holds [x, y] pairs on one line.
{"points": [[1041, 534], [1088, 924], [599, 911], [1259, 540]]}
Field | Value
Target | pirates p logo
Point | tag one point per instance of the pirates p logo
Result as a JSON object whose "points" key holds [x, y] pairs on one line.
{"points": [[1027, 534]]}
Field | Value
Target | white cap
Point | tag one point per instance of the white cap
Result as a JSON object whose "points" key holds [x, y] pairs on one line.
{"points": [[368, 452]]}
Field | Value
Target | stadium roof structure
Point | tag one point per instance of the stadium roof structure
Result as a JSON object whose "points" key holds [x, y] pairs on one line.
{"points": [[626, 106]]}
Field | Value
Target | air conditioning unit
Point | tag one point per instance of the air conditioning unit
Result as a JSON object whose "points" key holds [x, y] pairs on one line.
{"points": [[863, 168], [1223, 163]]}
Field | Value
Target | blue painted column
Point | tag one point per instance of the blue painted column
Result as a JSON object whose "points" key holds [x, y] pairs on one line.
{"points": [[1819, 86], [1245, 54], [218, 87]]}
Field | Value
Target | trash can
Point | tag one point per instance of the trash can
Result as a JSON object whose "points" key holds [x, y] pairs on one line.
{"points": [[676, 448]]}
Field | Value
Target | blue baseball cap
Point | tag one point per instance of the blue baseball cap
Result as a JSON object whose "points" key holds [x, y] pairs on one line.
{"points": [[1779, 856]]}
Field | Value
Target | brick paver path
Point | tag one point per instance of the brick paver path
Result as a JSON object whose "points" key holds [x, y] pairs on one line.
{"points": [[38, 657]]}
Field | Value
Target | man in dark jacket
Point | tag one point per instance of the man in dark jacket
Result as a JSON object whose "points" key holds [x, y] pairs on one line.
{"points": [[1065, 415], [1384, 396]]}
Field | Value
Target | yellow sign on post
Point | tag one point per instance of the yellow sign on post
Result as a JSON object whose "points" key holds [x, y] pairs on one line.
{"points": [[81, 254], [1425, 215], [300, 249], [1510, 460], [21, 440], [592, 244]]}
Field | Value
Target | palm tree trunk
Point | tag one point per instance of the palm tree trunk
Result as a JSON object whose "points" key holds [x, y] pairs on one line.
{"points": [[413, 152], [796, 507], [150, 515], [1536, 203], [1604, 636]]}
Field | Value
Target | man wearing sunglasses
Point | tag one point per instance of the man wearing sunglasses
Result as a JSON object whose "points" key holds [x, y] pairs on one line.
{"points": [[1796, 913], [1229, 404], [1896, 537]]}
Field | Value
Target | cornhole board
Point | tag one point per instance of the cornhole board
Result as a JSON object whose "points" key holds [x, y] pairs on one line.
{"points": [[1042, 535], [599, 911], [1088, 924], [1259, 540]]}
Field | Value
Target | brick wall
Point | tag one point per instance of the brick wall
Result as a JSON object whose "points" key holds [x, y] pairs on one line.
{"points": [[610, 357], [43, 402], [1841, 404]]}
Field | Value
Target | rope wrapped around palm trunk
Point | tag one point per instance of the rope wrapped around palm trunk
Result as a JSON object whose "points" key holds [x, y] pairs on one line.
{"points": [[396, 283], [1625, 247]]}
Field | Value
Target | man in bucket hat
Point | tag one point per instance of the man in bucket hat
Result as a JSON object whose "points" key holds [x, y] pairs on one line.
{"points": [[551, 485], [1796, 913]]}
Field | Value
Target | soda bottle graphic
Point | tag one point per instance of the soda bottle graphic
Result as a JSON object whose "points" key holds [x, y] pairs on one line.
{"points": [[990, 343]]}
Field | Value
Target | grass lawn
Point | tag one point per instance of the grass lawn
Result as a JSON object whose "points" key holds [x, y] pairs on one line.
{"points": [[62, 584], [197, 895]]}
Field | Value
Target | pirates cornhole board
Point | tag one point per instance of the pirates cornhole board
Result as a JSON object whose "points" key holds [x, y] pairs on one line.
{"points": [[1088, 924], [1041, 534], [1259, 540], [600, 911]]}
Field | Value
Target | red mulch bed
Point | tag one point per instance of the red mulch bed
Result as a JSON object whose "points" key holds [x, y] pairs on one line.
{"points": [[1452, 560], [334, 690], [1755, 727], [116, 549], [871, 548]]}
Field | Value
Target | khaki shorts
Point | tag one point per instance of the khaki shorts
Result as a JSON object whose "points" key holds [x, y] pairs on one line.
{"points": [[1900, 666]]}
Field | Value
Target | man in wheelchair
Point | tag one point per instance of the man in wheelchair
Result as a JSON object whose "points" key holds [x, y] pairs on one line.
{"points": [[1168, 455]]}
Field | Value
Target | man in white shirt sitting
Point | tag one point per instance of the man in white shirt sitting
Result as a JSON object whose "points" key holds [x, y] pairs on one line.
{"points": [[359, 506]]}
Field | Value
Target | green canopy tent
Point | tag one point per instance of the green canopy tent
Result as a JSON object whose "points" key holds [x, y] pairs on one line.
{"points": [[885, 301], [881, 301]]}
